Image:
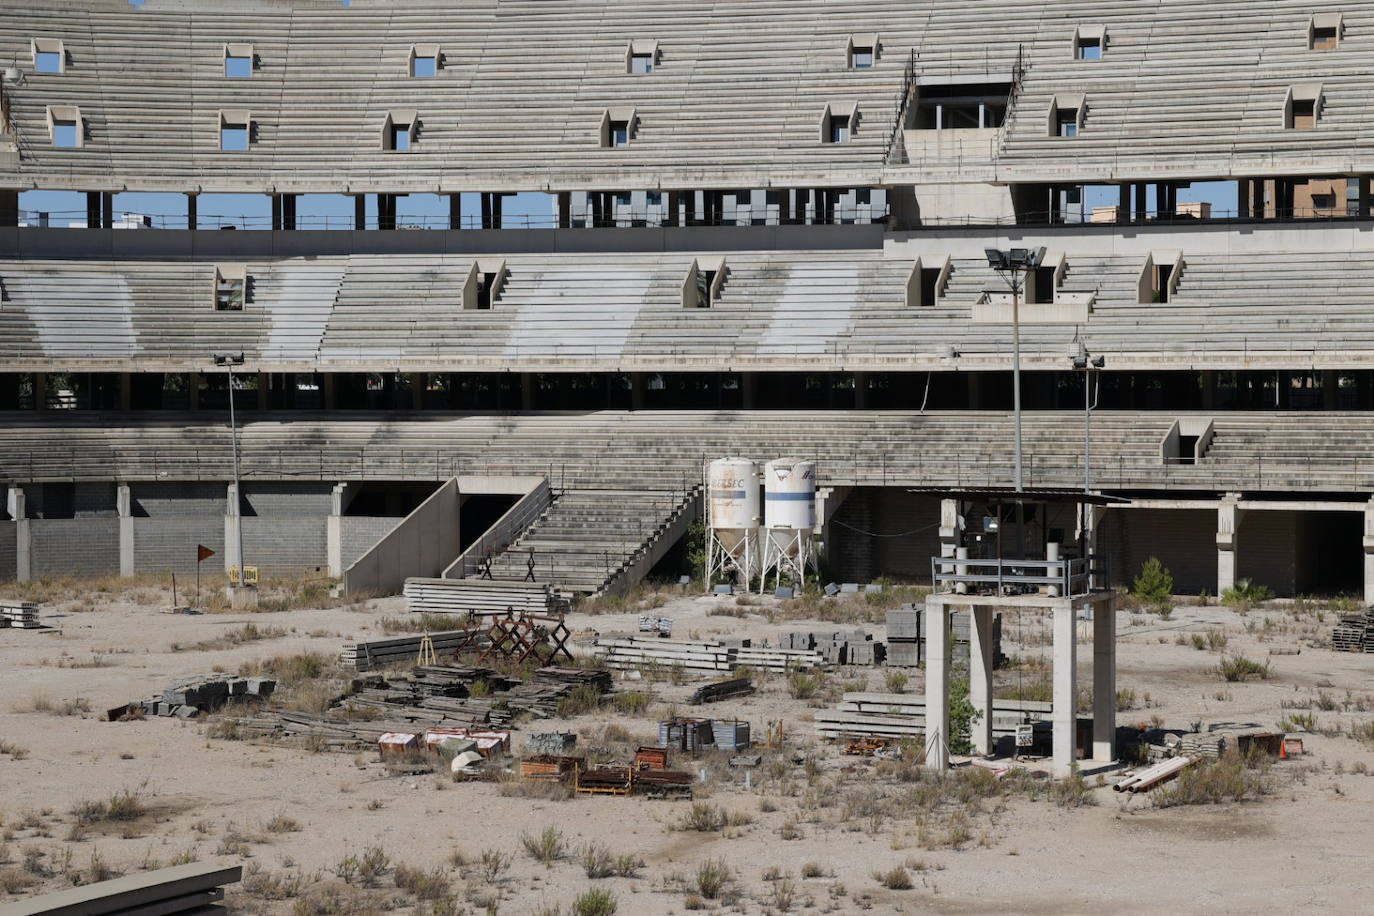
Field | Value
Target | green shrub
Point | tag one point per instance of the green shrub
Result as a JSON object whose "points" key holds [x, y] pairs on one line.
{"points": [[962, 715], [1231, 778], [596, 902], [1240, 668], [1155, 584], [896, 682], [1245, 592], [704, 817], [803, 686], [898, 879], [631, 703], [712, 877], [546, 847]]}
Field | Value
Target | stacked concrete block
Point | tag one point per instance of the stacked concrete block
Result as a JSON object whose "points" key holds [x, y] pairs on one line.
{"points": [[904, 636], [838, 647], [190, 696]]}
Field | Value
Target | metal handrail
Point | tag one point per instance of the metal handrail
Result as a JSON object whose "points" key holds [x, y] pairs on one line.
{"points": [[899, 118], [1073, 576]]}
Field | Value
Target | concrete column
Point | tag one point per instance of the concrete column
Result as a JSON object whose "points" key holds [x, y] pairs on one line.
{"points": [[1364, 195], [455, 211], [327, 390], [1229, 516], [191, 219], [860, 390], [193, 390], [1330, 381], [23, 545], [527, 390], [124, 504], [360, 211], [748, 385], [1123, 204], [231, 510], [1368, 551], [419, 382], [1104, 681], [334, 530], [263, 380], [980, 663], [937, 685], [125, 391], [1064, 717], [40, 391], [638, 389], [951, 525]]}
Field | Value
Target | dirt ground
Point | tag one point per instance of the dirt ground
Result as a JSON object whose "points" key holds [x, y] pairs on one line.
{"points": [[809, 832]]}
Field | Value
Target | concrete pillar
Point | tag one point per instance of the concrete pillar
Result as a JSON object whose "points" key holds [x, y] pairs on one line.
{"points": [[419, 383], [951, 525], [125, 391], [191, 218], [455, 211], [638, 389], [327, 390], [1330, 383], [9, 207], [1052, 555], [124, 504], [334, 530], [263, 380], [23, 545], [980, 663], [40, 391], [527, 390], [231, 533], [1064, 717], [1123, 204], [1229, 516], [860, 390], [193, 391], [937, 685], [1104, 680], [360, 211], [748, 384], [1368, 551]]}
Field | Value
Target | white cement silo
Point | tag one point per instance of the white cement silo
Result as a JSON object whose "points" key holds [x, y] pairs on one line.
{"points": [[733, 514], [789, 518]]}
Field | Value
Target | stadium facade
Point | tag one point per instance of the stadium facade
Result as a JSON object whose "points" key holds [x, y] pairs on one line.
{"points": [[765, 236]]}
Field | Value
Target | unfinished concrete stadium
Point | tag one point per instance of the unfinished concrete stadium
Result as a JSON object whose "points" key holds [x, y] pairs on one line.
{"points": [[766, 234]]}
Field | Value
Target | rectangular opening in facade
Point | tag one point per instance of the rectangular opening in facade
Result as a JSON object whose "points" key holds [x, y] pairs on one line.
{"points": [[231, 288], [64, 134], [1088, 48], [49, 55], [423, 67], [965, 106], [641, 63], [861, 58], [1324, 31], [238, 61], [1304, 114], [620, 133], [1065, 122], [235, 131], [838, 129]]}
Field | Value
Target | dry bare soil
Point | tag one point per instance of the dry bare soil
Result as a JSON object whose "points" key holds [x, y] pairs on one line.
{"points": [[814, 830]]}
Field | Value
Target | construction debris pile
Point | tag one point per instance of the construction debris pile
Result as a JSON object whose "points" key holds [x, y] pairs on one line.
{"points": [[1354, 633], [428, 697], [381, 653], [701, 658], [518, 637], [190, 696], [477, 596], [722, 689], [22, 615], [695, 735]]}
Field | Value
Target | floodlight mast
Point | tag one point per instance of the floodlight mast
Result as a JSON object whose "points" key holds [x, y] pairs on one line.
{"points": [[1012, 266]]}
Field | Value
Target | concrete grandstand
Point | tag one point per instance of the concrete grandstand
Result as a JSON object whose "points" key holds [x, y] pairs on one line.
{"points": [[765, 235]]}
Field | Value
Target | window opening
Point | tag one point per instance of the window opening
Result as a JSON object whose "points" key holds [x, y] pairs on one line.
{"points": [[861, 58], [620, 133], [239, 68], [424, 66], [48, 62], [838, 131], [230, 292], [400, 137], [484, 290], [1089, 49], [1304, 114], [64, 134], [966, 106], [1066, 122], [705, 279], [641, 63]]}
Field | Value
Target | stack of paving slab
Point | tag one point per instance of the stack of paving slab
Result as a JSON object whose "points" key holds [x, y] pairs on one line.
{"points": [[847, 647], [907, 631], [702, 658], [22, 615], [479, 596], [903, 715], [364, 656], [190, 696]]}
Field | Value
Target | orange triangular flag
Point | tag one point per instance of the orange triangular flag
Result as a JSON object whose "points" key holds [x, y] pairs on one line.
{"points": [[202, 552]]}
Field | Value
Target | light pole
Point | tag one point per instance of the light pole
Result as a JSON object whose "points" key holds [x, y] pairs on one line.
{"points": [[1012, 266], [229, 361]]}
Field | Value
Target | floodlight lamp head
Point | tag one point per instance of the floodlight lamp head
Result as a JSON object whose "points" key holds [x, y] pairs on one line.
{"points": [[1018, 257], [997, 259], [1080, 362], [1099, 361], [229, 359]]}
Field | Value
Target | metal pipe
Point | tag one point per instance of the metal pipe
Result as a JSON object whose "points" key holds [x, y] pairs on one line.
{"points": [[238, 494]]}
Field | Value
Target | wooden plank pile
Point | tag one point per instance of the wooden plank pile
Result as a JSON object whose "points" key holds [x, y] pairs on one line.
{"points": [[22, 615], [480, 596], [194, 888], [575, 677], [700, 658], [364, 656], [902, 715], [1354, 633]]}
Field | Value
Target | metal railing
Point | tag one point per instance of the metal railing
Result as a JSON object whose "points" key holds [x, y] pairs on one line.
{"points": [[904, 103], [1069, 576]]}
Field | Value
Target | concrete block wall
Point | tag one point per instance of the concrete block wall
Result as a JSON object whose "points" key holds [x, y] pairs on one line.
{"points": [[279, 541], [1184, 540], [161, 500], [169, 542], [896, 511], [850, 556], [360, 532], [74, 547], [7, 556], [287, 499]]}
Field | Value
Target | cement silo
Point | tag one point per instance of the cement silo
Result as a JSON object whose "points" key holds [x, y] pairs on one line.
{"points": [[789, 519], [733, 514]]}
